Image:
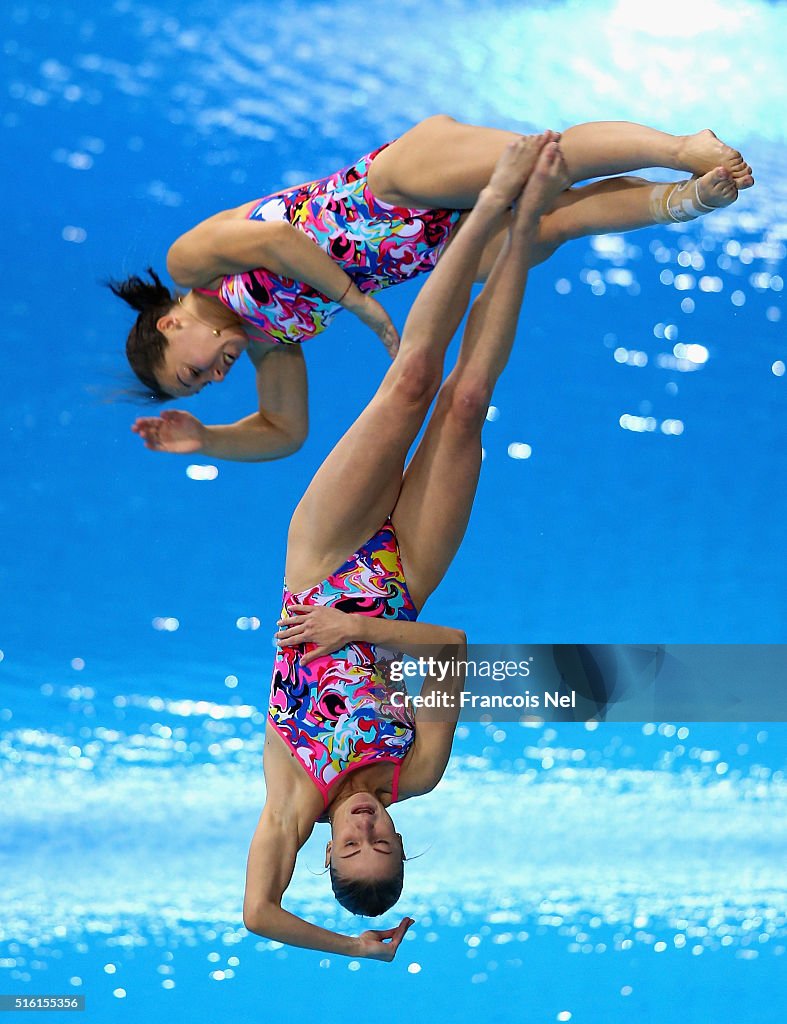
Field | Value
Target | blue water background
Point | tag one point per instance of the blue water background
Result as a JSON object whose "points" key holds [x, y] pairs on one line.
{"points": [[559, 859]]}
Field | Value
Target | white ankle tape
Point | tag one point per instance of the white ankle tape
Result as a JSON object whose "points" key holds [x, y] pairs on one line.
{"points": [[678, 202]]}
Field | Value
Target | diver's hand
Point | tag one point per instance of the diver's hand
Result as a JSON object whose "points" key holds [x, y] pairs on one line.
{"points": [[173, 431], [370, 312], [383, 944], [328, 628]]}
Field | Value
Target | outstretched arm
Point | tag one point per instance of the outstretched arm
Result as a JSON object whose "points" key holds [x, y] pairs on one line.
{"points": [[277, 429], [270, 866]]}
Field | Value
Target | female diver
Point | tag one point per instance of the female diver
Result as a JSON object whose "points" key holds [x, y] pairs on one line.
{"points": [[336, 743], [276, 271]]}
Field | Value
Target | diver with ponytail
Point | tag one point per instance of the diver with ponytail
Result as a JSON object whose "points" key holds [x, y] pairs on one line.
{"points": [[145, 344], [269, 274], [205, 345]]}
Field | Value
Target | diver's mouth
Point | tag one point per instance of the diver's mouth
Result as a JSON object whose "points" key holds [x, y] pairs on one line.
{"points": [[363, 809]]}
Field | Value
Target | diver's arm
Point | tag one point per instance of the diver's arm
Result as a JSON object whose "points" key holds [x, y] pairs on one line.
{"points": [[280, 426], [271, 863], [233, 245], [419, 639], [277, 429], [330, 629], [274, 848], [268, 873], [435, 725]]}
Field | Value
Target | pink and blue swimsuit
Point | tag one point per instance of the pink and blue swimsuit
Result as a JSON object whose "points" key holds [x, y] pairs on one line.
{"points": [[376, 244], [337, 714]]}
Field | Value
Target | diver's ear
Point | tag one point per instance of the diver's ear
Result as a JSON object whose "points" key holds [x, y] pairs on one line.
{"points": [[167, 322], [328, 846]]}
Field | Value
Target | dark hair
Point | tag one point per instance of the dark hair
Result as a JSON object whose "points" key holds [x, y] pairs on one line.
{"points": [[146, 345], [368, 897]]}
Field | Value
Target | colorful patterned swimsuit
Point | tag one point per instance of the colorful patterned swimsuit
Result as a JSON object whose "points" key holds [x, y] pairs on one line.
{"points": [[375, 243], [336, 714]]}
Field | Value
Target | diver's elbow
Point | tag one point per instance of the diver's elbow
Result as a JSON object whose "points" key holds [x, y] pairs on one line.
{"points": [[254, 921], [296, 440], [458, 638]]}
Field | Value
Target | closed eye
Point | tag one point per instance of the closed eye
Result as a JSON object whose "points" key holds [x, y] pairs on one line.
{"points": [[379, 846], [192, 374]]}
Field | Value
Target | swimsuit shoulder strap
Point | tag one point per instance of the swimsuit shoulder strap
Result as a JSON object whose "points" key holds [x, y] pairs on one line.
{"points": [[395, 782]]}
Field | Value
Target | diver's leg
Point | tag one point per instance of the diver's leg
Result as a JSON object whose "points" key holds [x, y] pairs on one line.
{"points": [[434, 506], [614, 205], [443, 163], [600, 148], [626, 203], [356, 487]]}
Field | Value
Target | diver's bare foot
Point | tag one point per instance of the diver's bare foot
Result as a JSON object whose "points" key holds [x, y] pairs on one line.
{"points": [[703, 151], [514, 167], [717, 188], [549, 178]]}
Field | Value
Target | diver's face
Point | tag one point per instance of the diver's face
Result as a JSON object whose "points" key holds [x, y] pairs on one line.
{"points": [[365, 843], [195, 357]]}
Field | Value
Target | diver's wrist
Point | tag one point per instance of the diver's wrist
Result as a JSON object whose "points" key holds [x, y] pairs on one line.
{"points": [[352, 946], [209, 441], [352, 299], [357, 628]]}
